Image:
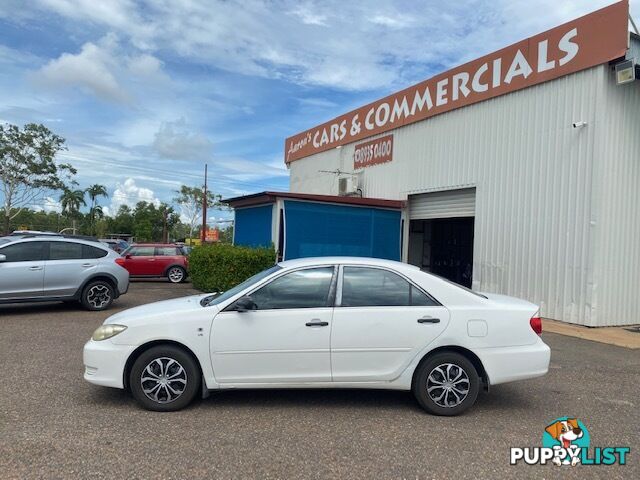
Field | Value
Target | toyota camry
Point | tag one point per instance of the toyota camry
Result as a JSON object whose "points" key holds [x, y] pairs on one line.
{"points": [[332, 322]]}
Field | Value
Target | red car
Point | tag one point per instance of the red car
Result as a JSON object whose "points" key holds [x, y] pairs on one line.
{"points": [[155, 260]]}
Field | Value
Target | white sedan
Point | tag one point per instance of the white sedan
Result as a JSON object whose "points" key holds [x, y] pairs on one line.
{"points": [[332, 322]]}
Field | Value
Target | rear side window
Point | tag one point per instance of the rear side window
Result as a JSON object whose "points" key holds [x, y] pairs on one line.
{"points": [[167, 251], [24, 252], [65, 251], [93, 252], [373, 287]]}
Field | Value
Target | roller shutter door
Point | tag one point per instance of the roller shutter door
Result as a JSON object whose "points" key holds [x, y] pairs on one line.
{"points": [[446, 204]]}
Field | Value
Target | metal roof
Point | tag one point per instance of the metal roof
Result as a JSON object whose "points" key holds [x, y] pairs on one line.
{"points": [[270, 197]]}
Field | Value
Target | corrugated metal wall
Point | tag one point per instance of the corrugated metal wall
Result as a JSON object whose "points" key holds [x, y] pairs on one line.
{"points": [[533, 174], [616, 215]]}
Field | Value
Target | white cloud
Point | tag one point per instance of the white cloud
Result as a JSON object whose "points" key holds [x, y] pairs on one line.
{"points": [[347, 45], [102, 69], [90, 70], [174, 141], [49, 204], [128, 193]]}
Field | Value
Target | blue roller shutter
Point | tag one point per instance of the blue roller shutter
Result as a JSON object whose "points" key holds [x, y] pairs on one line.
{"points": [[319, 229], [252, 227]]}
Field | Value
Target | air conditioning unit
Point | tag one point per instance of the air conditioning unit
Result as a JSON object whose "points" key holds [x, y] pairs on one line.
{"points": [[348, 186]]}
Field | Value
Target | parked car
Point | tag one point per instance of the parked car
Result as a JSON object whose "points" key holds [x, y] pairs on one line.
{"points": [[116, 245], [326, 323], [47, 268], [156, 260]]}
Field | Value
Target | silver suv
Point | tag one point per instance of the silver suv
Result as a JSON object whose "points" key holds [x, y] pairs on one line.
{"points": [[48, 268]]}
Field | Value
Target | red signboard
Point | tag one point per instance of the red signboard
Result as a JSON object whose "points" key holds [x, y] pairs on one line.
{"points": [[373, 152], [212, 235], [586, 42]]}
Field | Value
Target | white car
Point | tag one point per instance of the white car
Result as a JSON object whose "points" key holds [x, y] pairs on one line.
{"points": [[331, 322]]}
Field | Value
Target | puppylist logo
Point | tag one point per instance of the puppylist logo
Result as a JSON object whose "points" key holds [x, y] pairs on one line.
{"points": [[566, 441]]}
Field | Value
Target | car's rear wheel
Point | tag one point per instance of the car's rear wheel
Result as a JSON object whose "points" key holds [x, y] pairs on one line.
{"points": [[446, 384], [176, 274], [164, 379], [97, 295]]}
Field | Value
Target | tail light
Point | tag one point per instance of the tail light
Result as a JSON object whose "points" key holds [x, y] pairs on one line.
{"points": [[536, 324], [120, 261]]}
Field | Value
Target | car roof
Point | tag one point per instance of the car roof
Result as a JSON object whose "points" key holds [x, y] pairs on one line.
{"points": [[51, 238], [364, 261]]}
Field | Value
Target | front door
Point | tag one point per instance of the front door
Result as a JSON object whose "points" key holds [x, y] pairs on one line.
{"points": [[381, 323], [140, 260], [285, 339], [22, 271]]}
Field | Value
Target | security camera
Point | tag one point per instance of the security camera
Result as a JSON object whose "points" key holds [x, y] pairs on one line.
{"points": [[579, 124]]}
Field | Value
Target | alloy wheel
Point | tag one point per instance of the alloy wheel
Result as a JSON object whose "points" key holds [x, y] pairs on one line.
{"points": [[163, 380], [176, 275], [98, 296], [448, 385]]}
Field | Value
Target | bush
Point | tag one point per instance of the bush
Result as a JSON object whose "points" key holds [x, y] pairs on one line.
{"points": [[218, 267]]}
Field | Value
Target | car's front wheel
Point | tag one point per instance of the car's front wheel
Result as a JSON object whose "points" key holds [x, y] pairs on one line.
{"points": [[164, 379], [446, 384], [176, 274]]}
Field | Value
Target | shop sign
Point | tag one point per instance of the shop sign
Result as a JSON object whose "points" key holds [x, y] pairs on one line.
{"points": [[591, 40]]}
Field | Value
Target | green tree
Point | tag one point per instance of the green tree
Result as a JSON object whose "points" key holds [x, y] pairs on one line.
{"points": [[95, 211], [190, 200], [28, 168], [71, 200]]}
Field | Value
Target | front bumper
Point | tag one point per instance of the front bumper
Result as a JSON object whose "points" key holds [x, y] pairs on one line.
{"points": [[104, 362], [508, 364]]}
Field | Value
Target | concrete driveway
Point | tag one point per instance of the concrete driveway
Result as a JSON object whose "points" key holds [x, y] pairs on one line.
{"points": [[55, 425]]}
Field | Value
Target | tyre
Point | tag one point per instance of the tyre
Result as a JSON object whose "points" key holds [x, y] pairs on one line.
{"points": [[97, 295], [176, 274], [446, 384], [164, 379]]}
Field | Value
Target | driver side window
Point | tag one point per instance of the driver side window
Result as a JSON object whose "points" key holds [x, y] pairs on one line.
{"points": [[307, 288]]}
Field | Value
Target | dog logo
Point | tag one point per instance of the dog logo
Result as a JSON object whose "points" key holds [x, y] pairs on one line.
{"points": [[566, 441], [567, 437]]}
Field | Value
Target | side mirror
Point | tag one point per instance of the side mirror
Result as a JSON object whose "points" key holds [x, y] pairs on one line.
{"points": [[127, 256], [244, 304], [3, 258]]}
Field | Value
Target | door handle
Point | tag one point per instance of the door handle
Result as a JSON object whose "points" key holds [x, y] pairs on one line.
{"points": [[88, 265], [428, 320], [316, 323], [34, 268]]}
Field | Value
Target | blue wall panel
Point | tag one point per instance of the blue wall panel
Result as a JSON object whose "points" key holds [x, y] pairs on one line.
{"points": [[316, 230], [252, 227]]}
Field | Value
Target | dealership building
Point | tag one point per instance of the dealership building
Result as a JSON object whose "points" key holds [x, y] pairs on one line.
{"points": [[516, 173]]}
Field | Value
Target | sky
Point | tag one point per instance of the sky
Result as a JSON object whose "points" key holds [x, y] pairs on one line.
{"points": [[146, 92]]}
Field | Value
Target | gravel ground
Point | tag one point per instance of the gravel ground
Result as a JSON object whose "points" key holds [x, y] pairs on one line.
{"points": [[55, 425]]}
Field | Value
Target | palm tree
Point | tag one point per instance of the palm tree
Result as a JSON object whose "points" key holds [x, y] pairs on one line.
{"points": [[94, 191], [71, 200]]}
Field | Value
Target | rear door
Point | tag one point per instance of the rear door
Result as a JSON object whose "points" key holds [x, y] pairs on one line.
{"points": [[22, 273], [165, 256], [380, 323], [69, 264]]}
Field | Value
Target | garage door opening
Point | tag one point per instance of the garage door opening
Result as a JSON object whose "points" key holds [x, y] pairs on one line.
{"points": [[441, 232], [443, 246]]}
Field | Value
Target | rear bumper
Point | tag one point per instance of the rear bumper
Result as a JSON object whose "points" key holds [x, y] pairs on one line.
{"points": [[104, 363], [508, 364]]}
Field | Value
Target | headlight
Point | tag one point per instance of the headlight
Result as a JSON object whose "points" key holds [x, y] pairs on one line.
{"points": [[107, 331]]}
